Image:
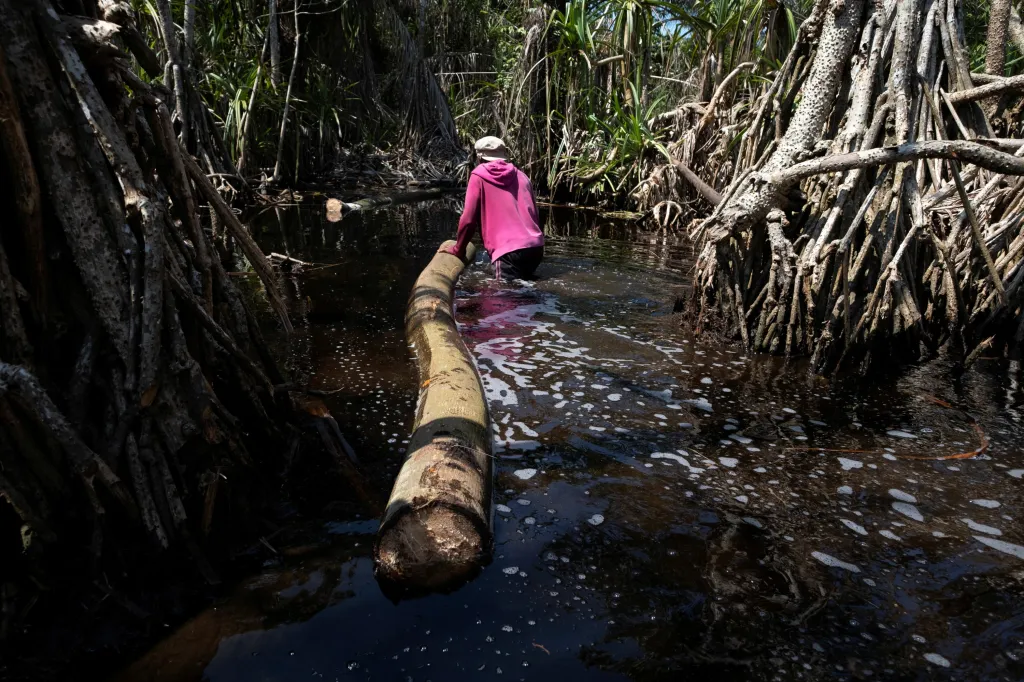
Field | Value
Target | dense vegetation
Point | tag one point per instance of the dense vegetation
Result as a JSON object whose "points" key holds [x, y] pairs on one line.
{"points": [[849, 171]]}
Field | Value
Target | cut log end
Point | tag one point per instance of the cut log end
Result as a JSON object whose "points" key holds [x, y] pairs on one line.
{"points": [[434, 548]]}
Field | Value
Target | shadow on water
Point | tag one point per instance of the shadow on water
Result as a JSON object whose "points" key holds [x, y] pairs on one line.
{"points": [[663, 505]]}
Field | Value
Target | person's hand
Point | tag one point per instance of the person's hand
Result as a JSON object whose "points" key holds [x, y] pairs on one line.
{"points": [[452, 250]]}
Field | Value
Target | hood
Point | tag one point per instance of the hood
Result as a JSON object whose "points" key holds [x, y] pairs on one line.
{"points": [[500, 173]]}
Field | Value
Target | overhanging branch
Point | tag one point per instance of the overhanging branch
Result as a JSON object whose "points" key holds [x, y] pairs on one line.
{"points": [[961, 150]]}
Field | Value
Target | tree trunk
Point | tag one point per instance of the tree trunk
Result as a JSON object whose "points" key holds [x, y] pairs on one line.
{"points": [[173, 72], [436, 530], [189, 32], [998, 25], [275, 45], [1016, 29], [288, 98], [243, 143], [123, 395]]}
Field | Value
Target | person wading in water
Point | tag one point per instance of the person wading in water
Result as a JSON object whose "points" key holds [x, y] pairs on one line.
{"points": [[500, 203]]}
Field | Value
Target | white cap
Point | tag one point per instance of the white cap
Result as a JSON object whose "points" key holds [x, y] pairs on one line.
{"points": [[491, 148]]}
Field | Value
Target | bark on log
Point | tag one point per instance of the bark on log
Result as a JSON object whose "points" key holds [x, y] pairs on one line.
{"points": [[437, 529], [1012, 84]]}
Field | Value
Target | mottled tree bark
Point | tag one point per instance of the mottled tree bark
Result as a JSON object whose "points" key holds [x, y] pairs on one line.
{"points": [[998, 28]]}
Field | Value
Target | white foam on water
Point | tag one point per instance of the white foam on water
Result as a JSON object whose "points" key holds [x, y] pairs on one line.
{"points": [[849, 464], [753, 522], [981, 528], [502, 508], [526, 445], [614, 397], [743, 499], [908, 510], [1000, 546], [728, 462], [524, 503], [900, 434], [987, 504], [935, 659], [902, 496], [706, 380], [524, 474], [833, 562], [527, 431], [700, 404], [529, 520], [855, 527], [595, 520], [497, 391], [1016, 473], [889, 456], [672, 456], [511, 570], [890, 535], [760, 470], [844, 490], [743, 440]]}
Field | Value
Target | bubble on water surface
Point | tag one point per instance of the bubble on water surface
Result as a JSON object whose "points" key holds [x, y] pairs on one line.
{"points": [[902, 496], [849, 464], [502, 508], [908, 510], [511, 570], [1016, 473], [729, 462], [844, 490], [595, 520], [833, 562], [524, 474], [614, 397], [937, 660], [987, 504], [1001, 546], [855, 527], [981, 528], [890, 535], [742, 499], [900, 434], [753, 522]]}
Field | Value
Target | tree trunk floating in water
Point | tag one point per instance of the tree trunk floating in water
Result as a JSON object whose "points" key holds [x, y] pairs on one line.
{"points": [[437, 528], [902, 246]]}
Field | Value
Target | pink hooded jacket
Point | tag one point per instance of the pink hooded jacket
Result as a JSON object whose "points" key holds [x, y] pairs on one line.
{"points": [[500, 203]]}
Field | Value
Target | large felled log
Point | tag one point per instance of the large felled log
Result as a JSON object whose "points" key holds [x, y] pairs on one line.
{"points": [[436, 529]]}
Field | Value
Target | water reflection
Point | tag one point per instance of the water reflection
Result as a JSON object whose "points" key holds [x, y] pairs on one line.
{"points": [[663, 506]]}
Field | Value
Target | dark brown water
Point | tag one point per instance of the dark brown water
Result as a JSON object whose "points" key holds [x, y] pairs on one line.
{"points": [[666, 509]]}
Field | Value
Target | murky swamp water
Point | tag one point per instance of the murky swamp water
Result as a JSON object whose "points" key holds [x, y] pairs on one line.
{"points": [[665, 508]]}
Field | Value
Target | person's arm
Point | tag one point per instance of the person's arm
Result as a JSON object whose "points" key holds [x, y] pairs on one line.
{"points": [[469, 223]]}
